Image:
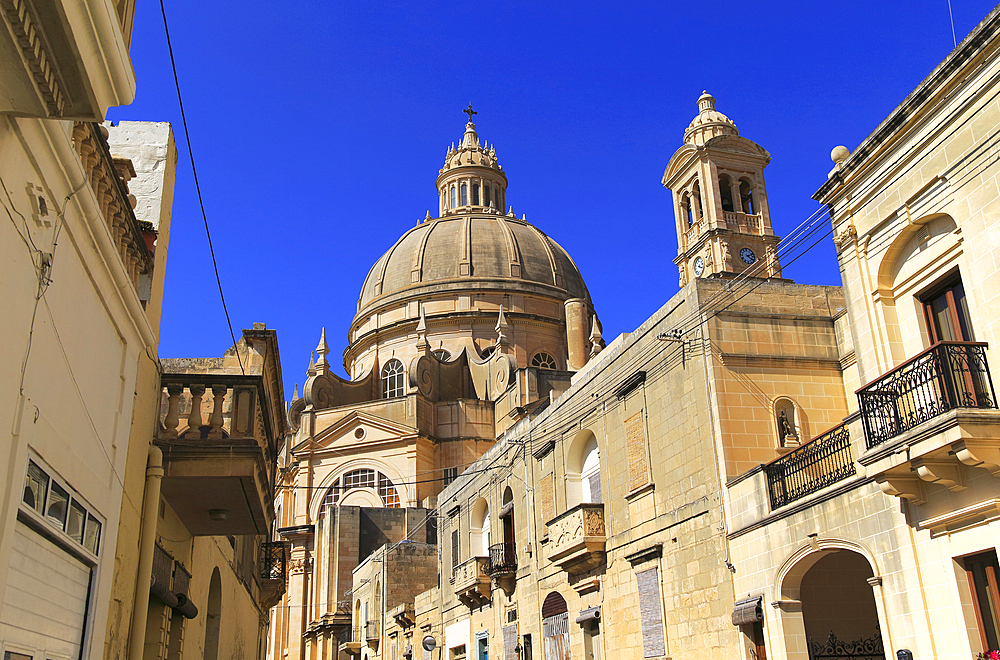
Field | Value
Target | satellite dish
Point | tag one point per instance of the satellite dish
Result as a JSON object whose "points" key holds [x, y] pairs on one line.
{"points": [[429, 643]]}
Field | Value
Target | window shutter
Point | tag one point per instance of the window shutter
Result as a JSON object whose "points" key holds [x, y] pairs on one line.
{"points": [[595, 487], [635, 439], [653, 644], [547, 496], [454, 549], [510, 642]]}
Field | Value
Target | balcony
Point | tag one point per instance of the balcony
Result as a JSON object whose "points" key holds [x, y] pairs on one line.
{"points": [[216, 458], [65, 60], [108, 179], [929, 420], [373, 632], [819, 463], [946, 376], [350, 640], [273, 563], [503, 560], [578, 538], [472, 581]]}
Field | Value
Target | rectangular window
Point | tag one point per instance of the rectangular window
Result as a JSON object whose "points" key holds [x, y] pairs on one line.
{"points": [[454, 549], [92, 534], [510, 642], [450, 474], [982, 572], [35, 484], [635, 441], [484, 648], [11, 655], [77, 518], [56, 508], [653, 644], [946, 312]]}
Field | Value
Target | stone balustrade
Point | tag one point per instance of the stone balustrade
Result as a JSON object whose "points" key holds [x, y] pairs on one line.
{"points": [[578, 538], [104, 174], [472, 581]]}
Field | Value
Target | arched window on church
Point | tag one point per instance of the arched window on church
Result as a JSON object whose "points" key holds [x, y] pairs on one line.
{"points": [[686, 205], [486, 193], [393, 375], [475, 194], [699, 208], [746, 198], [454, 202], [363, 478], [442, 355], [465, 194], [726, 192], [444, 200], [543, 360], [590, 477]]}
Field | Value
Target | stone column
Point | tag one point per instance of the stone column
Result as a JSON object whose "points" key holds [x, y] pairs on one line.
{"points": [[576, 332], [791, 631]]}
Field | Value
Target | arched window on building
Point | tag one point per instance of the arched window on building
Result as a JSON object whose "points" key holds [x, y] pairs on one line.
{"points": [[726, 192], [488, 351], [442, 355], [746, 198], [465, 194], [699, 208], [475, 194], [486, 193], [480, 529], [543, 360], [688, 211], [365, 478], [583, 470], [555, 627], [454, 201], [393, 378]]}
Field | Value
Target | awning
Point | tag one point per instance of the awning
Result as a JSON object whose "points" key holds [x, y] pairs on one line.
{"points": [[589, 614], [748, 610]]}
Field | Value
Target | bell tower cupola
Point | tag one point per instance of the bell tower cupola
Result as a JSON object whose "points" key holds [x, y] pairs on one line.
{"points": [[471, 179], [720, 201]]}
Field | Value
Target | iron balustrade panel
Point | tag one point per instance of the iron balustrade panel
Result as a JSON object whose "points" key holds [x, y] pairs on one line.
{"points": [[948, 375], [817, 464], [372, 630], [870, 648], [272, 560], [503, 559]]}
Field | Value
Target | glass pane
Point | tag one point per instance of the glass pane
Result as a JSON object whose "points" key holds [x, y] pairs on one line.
{"points": [[942, 318], [58, 501], [77, 518], [11, 655], [35, 484], [92, 535], [963, 312]]}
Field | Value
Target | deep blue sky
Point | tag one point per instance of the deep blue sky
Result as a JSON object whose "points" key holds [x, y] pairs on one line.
{"points": [[318, 130]]}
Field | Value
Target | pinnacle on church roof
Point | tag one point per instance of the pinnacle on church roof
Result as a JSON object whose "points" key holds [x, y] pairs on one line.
{"points": [[469, 150]]}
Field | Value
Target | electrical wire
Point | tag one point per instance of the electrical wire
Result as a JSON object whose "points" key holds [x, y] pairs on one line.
{"points": [[197, 186]]}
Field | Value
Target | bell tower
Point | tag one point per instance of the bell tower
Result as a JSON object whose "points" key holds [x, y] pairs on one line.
{"points": [[720, 201]]}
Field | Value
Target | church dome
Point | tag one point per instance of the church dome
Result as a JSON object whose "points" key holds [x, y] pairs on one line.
{"points": [[709, 123], [471, 252]]}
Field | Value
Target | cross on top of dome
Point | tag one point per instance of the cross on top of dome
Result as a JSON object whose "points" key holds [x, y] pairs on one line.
{"points": [[469, 111]]}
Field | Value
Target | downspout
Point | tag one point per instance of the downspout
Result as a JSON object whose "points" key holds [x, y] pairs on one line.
{"points": [[147, 537]]}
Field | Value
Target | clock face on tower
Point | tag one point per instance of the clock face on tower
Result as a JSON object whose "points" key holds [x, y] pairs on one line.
{"points": [[699, 266], [747, 255]]}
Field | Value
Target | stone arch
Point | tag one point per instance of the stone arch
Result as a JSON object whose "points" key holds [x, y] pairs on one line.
{"points": [[480, 528], [788, 415], [319, 493], [583, 462], [830, 587]]}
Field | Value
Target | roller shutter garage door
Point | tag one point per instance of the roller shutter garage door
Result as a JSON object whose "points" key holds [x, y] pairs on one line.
{"points": [[45, 601]]}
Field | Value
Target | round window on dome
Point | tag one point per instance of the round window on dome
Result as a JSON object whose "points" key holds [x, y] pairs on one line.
{"points": [[442, 355], [543, 360]]}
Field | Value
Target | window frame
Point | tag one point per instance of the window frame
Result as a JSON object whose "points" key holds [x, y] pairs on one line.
{"points": [[393, 382], [989, 559]]}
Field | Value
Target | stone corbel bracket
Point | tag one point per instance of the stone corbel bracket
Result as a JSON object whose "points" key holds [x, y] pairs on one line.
{"points": [[979, 454]]}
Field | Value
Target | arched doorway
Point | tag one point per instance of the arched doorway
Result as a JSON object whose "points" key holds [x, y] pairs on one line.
{"points": [[838, 616], [213, 617], [555, 627]]}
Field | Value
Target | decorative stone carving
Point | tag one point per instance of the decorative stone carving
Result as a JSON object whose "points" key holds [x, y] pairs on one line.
{"points": [[578, 538]]}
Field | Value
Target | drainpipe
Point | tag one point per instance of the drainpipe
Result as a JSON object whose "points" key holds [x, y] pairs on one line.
{"points": [[147, 537]]}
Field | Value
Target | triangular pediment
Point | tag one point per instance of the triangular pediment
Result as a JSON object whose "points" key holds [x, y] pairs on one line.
{"points": [[355, 429]]}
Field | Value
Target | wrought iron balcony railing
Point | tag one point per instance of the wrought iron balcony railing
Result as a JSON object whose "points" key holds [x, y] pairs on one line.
{"points": [[946, 376], [503, 559], [822, 461], [272, 560]]}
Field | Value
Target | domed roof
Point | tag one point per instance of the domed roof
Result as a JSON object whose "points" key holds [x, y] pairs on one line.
{"points": [[471, 252], [709, 123]]}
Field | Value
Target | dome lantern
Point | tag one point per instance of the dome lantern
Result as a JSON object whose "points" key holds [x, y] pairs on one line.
{"points": [[471, 178]]}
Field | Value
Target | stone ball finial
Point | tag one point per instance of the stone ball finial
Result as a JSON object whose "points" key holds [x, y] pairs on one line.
{"points": [[839, 154]]}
